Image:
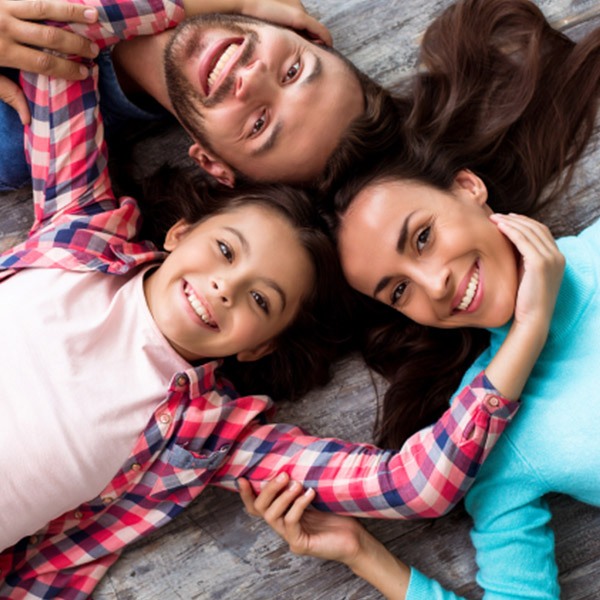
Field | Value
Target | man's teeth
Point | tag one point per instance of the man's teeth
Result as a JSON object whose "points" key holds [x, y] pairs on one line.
{"points": [[470, 291], [198, 306], [223, 60]]}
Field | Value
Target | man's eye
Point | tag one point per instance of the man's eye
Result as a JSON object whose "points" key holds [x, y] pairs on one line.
{"points": [[258, 125], [262, 303], [292, 72], [397, 292], [225, 251], [423, 238]]}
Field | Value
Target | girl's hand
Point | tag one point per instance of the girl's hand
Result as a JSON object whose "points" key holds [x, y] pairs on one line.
{"points": [[289, 13], [541, 271], [19, 31], [283, 506]]}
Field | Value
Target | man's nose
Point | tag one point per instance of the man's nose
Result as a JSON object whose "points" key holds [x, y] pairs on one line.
{"points": [[252, 81]]}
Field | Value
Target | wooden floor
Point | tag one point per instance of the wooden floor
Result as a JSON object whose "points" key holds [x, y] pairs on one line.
{"points": [[214, 550]]}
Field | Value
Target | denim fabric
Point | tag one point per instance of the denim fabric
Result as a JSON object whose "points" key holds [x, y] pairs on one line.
{"points": [[116, 109]]}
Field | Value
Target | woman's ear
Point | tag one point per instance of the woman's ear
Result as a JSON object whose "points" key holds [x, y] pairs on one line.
{"points": [[258, 352], [176, 234], [470, 186], [213, 165]]}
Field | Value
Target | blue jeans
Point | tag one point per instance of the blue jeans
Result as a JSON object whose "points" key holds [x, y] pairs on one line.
{"points": [[115, 107]]}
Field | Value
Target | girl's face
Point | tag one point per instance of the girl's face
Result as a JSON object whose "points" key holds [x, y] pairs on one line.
{"points": [[434, 256], [230, 285]]}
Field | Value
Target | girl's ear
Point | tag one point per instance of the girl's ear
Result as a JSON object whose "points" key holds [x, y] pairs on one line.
{"points": [[258, 352], [176, 234], [212, 165], [470, 186]]}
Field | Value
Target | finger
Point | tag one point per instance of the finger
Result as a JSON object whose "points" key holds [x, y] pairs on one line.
{"points": [[281, 504], [248, 496], [317, 30], [54, 38], [523, 230], [296, 511], [45, 63], [52, 10], [13, 95], [270, 492]]}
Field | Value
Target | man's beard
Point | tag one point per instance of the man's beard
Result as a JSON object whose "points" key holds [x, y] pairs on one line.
{"points": [[184, 44]]}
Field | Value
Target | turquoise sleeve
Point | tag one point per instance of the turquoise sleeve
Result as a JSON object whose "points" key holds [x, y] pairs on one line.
{"points": [[511, 534]]}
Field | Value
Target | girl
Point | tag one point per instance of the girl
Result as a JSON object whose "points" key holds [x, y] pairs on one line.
{"points": [[235, 283], [432, 249]]}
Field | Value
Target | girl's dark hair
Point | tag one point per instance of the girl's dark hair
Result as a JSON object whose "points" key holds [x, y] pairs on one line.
{"points": [[305, 350], [501, 93]]}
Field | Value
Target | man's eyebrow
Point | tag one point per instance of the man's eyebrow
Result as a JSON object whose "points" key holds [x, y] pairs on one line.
{"points": [[400, 246], [270, 282], [276, 129]]}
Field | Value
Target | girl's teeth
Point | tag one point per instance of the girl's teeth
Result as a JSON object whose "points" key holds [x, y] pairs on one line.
{"points": [[470, 291], [223, 60], [198, 306]]}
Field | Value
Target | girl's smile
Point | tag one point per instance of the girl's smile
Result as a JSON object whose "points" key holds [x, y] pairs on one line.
{"points": [[433, 255], [231, 284]]}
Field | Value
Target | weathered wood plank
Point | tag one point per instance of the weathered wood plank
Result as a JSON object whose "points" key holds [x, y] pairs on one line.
{"points": [[214, 550]]}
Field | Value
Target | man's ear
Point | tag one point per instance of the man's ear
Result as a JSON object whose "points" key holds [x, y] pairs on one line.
{"points": [[176, 234], [470, 186], [212, 164], [258, 352]]}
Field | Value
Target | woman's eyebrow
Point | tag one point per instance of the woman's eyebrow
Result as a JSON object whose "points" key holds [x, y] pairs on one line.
{"points": [[400, 247]]}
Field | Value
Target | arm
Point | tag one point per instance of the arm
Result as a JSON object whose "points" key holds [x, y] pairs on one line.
{"points": [[425, 478]]}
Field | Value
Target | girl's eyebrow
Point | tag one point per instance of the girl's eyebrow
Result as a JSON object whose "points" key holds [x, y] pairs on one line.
{"points": [[267, 281], [400, 246]]}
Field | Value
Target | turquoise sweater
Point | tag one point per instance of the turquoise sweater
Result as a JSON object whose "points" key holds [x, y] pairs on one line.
{"points": [[553, 445]]}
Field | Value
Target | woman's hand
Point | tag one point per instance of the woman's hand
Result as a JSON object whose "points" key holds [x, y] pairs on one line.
{"points": [[283, 506], [541, 270], [19, 31], [289, 13]]}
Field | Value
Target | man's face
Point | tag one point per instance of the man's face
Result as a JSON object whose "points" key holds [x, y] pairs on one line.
{"points": [[259, 98]]}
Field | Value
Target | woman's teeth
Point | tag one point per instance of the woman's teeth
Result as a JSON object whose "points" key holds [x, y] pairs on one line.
{"points": [[198, 306], [470, 291], [223, 60]]}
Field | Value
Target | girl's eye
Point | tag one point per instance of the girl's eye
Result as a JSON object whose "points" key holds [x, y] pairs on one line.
{"points": [[258, 125], [292, 72], [423, 238], [262, 303], [225, 251], [398, 292]]}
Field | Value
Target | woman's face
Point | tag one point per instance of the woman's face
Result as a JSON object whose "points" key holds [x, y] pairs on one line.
{"points": [[434, 256], [230, 285]]}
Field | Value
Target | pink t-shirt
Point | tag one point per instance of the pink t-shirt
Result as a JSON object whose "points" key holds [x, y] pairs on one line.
{"points": [[83, 368]]}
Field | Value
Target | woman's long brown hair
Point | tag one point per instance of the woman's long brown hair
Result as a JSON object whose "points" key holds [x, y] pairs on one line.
{"points": [[501, 93]]}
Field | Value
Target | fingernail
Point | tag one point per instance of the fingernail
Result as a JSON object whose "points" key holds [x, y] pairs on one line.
{"points": [[309, 492], [94, 48], [90, 14], [83, 71], [281, 477], [293, 486]]}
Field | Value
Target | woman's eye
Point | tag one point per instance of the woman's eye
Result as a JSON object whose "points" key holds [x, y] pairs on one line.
{"points": [[225, 251], [292, 72], [423, 238], [262, 303], [258, 125], [398, 292]]}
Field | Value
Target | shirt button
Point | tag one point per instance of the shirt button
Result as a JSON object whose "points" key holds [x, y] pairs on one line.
{"points": [[136, 467], [181, 380], [493, 401], [78, 514], [33, 539], [107, 499], [164, 419]]}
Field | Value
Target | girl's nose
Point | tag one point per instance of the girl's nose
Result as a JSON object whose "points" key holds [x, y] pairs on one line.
{"points": [[222, 291]]}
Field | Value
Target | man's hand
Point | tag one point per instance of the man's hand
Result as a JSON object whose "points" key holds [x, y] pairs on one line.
{"points": [[19, 31], [290, 13]]}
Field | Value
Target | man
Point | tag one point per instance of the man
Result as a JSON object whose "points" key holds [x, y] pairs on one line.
{"points": [[258, 100]]}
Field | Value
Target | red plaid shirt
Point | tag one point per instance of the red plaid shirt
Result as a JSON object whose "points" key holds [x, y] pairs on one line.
{"points": [[202, 432]]}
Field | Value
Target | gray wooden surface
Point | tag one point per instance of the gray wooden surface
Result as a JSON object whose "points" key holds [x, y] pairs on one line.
{"points": [[214, 550]]}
